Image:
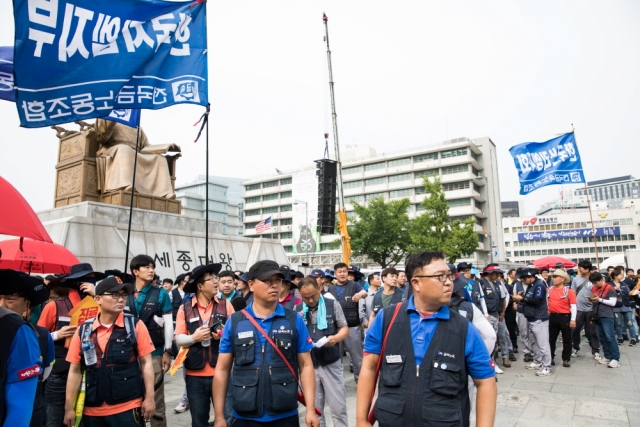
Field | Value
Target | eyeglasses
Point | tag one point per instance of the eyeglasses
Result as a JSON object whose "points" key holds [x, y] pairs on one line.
{"points": [[214, 279], [441, 277], [116, 296]]}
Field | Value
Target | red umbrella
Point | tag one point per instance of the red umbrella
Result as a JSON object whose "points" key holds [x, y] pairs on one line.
{"points": [[551, 261], [16, 216], [35, 256]]}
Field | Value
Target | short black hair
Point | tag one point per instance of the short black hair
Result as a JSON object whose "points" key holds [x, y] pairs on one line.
{"points": [[226, 273], [513, 270], [630, 270], [371, 276], [340, 265], [610, 267], [595, 277], [542, 270], [298, 275], [167, 280], [387, 271], [307, 281], [50, 277], [417, 261], [139, 261], [585, 263]]}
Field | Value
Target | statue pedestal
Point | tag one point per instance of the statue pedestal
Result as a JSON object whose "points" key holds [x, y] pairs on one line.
{"points": [[76, 174], [123, 198]]}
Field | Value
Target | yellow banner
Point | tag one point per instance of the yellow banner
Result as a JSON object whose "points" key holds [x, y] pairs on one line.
{"points": [[87, 309], [78, 404], [179, 360]]}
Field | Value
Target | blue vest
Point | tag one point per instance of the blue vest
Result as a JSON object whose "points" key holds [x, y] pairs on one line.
{"points": [[261, 379]]}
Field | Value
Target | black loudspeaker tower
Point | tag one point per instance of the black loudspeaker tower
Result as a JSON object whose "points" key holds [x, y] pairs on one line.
{"points": [[327, 172]]}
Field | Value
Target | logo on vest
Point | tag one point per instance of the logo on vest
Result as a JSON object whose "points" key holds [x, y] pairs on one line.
{"points": [[453, 356], [27, 373]]}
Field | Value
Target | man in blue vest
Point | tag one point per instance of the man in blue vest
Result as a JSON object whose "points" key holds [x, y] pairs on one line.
{"points": [[536, 311], [495, 303], [428, 354], [153, 307], [264, 387]]}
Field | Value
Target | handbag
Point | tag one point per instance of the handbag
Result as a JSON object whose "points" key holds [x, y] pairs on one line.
{"points": [[372, 418], [301, 398]]}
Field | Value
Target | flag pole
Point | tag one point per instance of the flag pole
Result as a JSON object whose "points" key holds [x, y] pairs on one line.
{"points": [[133, 189], [593, 226], [206, 250]]}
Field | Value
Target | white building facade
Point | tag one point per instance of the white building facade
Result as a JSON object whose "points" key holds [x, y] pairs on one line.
{"points": [[466, 167]]}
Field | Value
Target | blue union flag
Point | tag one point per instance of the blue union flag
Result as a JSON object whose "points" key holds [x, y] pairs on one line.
{"points": [[81, 60]]}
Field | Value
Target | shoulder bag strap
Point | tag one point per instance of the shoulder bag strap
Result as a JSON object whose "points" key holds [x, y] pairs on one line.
{"points": [[379, 365]]}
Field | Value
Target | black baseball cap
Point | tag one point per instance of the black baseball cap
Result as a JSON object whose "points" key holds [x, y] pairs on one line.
{"points": [[527, 272], [111, 284], [197, 273], [262, 270]]}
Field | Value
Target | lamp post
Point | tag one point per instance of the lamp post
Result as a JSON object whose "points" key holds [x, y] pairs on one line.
{"points": [[306, 224]]}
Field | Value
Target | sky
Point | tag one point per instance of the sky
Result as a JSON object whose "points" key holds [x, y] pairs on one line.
{"points": [[407, 74]]}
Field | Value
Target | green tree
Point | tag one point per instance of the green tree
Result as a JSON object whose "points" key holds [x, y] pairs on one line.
{"points": [[381, 231], [434, 230]]}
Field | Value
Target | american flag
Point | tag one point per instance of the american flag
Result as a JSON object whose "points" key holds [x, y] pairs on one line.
{"points": [[264, 225]]}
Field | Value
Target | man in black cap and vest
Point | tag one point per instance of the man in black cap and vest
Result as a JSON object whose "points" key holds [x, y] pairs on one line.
{"points": [[327, 326], [21, 369], [495, 305], [428, 353], [348, 293], [267, 345], [21, 298], [472, 287], [55, 318], [152, 305], [113, 352], [199, 327], [391, 293]]}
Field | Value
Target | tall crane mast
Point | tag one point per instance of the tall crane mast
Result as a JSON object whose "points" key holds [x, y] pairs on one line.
{"points": [[345, 240]]}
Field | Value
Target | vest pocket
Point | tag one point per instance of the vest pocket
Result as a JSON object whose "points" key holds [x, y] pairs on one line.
{"points": [[391, 375], [119, 352], [442, 416], [445, 379], [91, 398], [245, 389], [244, 350], [284, 389], [388, 411], [285, 344], [126, 383]]}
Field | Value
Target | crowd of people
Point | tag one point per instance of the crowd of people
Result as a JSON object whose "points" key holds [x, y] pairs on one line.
{"points": [[260, 342]]}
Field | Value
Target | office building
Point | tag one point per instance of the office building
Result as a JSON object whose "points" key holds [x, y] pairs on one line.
{"points": [[225, 202], [612, 190], [512, 209], [466, 167]]}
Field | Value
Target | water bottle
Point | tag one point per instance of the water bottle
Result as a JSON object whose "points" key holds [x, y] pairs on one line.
{"points": [[207, 342], [88, 349]]}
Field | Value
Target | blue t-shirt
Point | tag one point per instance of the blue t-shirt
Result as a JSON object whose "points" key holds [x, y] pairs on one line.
{"points": [[164, 306], [340, 289], [304, 345], [477, 360], [24, 368]]}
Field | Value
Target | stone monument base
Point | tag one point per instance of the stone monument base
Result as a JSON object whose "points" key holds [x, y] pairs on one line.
{"points": [[160, 204], [97, 233]]}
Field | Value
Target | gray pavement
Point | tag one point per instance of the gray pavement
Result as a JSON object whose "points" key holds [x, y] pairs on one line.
{"points": [[587, 394]]}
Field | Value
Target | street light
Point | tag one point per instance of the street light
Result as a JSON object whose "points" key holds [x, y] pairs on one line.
{"points": [[483, 177], [306, 224]]}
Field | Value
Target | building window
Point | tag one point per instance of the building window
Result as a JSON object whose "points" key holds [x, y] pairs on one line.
{"points": [[454, 153], [270, 184], [287, 235], [253, 187], [268, 197], [285, 194], [400, 177], [400, 162], [425, 157], [250, 225], [420, 207], [286, 221], [351, 199], [455, 169], [398, 194], [252, 212], [474, 156], [375, 181], [507, 244], [428, 172], [255, 199], [353, 184], [285, 181], [353, 169], [272, 209], [455, 186], [288, 248], [286, 208], [374, 196], [374, 166], [420, 190], [459, 202]]}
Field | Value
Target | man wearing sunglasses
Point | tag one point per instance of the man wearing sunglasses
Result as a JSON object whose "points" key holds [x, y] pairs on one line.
{"points": [[428, 353], [114, 352]]}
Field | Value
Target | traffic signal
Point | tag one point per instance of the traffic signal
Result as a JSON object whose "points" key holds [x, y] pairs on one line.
{"points": [[327, 172]]}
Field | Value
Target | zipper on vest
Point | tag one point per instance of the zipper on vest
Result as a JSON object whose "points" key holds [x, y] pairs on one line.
{"points": [[417, 370]]}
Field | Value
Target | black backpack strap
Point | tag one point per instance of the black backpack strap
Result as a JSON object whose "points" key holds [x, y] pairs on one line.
{"points": [[130, 327]]}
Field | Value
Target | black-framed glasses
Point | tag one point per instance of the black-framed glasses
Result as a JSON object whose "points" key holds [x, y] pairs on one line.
{"points": [[441, 277], [116, 296]]}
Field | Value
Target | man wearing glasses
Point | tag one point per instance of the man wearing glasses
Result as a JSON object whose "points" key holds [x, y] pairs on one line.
{"points": [[114, 351], [153, 307], [265, 391], [428, 354], [198, 324]]}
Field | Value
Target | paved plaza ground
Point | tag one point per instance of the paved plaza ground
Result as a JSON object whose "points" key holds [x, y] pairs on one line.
{"points": [[587, 394]]}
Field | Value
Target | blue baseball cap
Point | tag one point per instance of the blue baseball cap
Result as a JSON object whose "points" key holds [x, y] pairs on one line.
{"points": [[316, 272]]}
